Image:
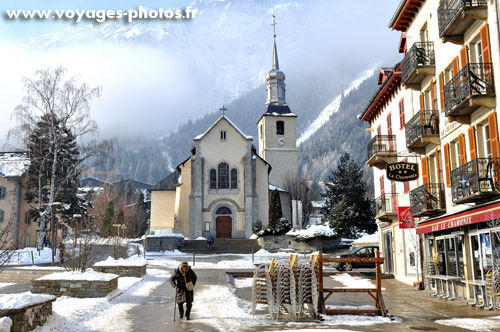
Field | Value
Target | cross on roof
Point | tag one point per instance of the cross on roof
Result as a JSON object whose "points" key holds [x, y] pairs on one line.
{"points": [[223, 109], [274, 25]]}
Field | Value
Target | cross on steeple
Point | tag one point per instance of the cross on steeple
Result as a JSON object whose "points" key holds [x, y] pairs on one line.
{"points": [[223, 109], [274, 25]]}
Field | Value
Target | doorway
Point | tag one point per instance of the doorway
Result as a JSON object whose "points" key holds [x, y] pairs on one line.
{"points": [[223, 222]]}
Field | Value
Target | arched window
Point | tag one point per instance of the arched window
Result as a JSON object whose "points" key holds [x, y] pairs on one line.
{"points": [[223, 210], [223, 181], [213, 179], [234, 178], [280, 128]]}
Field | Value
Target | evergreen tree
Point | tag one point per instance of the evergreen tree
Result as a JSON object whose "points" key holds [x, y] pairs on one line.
{"points": [[347, 209], [141, 216], [275, 212], [107, 220]]}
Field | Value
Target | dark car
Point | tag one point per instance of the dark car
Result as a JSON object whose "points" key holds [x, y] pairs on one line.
{"points": [[361, 252]]}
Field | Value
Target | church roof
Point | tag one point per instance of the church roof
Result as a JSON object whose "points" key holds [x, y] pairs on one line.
{"points": [[167, 183], [230, 122], [281, 109]]}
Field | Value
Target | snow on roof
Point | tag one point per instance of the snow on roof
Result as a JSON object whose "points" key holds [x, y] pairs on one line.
{"points": [[271, 187], [230, 122], [22, 300], [131, 261], [367, 239], [89, 275], [312, 231], [13, 164]]}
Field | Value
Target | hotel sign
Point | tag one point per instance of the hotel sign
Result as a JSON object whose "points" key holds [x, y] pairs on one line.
{"points": [[402, 171]]}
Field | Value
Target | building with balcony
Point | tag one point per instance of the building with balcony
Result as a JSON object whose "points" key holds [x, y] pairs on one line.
{"points": [[449, 83]]}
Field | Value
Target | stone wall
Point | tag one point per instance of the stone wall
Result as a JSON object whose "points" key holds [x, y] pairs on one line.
{"points": [[18, 275], [162, 243], [28, 318], [273, 243], [74, 288], [122, 271]]}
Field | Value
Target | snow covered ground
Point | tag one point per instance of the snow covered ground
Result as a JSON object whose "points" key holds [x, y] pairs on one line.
{"points": [[473, 324]]}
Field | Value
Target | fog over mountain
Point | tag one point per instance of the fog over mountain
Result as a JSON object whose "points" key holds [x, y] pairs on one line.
{"points": [[158, 75]]}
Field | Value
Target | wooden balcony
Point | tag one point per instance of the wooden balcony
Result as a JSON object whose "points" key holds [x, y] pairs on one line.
{"points": [[422, 130], [471, 88], [455, 17], [381, 151], [386, 207], [418, 63], [428, 200], [477, 181]]}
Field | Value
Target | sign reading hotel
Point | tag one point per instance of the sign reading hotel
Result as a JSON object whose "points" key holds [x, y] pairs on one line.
{"points": [[405, 218], [402, 171]]}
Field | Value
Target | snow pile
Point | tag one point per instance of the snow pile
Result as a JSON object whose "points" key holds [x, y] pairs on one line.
{"points": [[174, 252], [165, 233], [21, 300], [312, 232], [473, 324], [5, 324], [253, 237], [365, 240], [13, 164], [131, 261], [24, 256], [350, 281], [200, 238], [89, 275]]}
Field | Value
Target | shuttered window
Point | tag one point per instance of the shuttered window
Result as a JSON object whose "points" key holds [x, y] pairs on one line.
{"points": [[382, 189], [433, 96], [461, 147], [455, 66], [401, 114], [493, 129], [446, 149], [425, 170], [472, 143], [441, 89], [485, 43], [464, 58], [2, 215], [3, 192]]}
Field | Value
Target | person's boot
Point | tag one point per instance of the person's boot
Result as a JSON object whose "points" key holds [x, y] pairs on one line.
{"points": [[188, 311], [181, 311]]}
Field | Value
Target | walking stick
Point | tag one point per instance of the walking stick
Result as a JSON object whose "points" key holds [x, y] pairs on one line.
{"points": [[175, 300]]}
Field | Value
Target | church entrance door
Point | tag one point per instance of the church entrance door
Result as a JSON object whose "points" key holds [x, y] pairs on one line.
{"points": [[223, 227]]}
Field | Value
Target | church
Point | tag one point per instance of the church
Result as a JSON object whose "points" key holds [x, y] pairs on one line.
{"points": [[225, 184]]}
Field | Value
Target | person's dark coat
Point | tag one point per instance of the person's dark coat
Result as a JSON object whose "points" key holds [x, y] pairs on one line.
{"points": [[178, 279]]}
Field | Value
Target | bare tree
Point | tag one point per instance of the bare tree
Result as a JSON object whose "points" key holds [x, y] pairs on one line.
{"points": [[64, 108]]}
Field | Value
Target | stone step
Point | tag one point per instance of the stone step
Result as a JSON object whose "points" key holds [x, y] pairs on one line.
{"points": [[226, 246]]}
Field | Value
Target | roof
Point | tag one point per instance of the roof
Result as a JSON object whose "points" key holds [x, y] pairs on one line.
{"points": [[386, 91], [272, 188], [230, 122], [168, 183], [406, 11], [91, 182], [136, 184], [13, 164], [274, 109]]}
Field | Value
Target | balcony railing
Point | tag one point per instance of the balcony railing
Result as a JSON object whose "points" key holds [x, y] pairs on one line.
{"points": [[477, 180], [475, 79], [450, 11], [386, 204], [381, 144], [420, 55], [428, 200], [422, 129]]}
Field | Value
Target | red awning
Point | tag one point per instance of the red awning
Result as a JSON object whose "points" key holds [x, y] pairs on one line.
{"points": [[468, 217]]}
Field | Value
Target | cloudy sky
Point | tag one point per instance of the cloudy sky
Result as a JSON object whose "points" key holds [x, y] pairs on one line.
{"points": [[157, 74]]}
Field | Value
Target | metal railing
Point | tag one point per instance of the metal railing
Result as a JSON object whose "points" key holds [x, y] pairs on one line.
{"points": [[449, 9], [420, 54], [424, 123], [427, 198], [381, 144], [481, 175], [473, 80], [386, 203]]}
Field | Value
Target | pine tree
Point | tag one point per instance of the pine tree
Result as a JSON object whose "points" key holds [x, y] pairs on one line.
{"points": [[107, 220], [347, 209], [275, 212]]}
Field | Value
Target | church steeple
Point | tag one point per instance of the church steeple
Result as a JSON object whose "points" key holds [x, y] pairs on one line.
{"points": [[275, 86]]}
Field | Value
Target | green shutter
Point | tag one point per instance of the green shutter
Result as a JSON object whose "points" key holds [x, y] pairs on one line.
{"points": [[2, 192], [1, 215]]}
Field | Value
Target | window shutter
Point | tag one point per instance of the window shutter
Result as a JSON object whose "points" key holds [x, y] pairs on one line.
{"points": [[441, 89], [492, 124], [422, 113], [472, 143], [382, 190], [455, 66], [485, 43], [1, 215], [433, 96], [438, 166], [464, 59], [401, 114], [2, 192], [389, 124], [461, 147], [425, 170], [446, 149]]}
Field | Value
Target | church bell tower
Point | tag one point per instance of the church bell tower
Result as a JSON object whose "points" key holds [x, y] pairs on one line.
{"points": [[277, 127]]}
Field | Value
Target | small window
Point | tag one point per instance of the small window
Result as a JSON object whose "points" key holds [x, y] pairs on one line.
{"points": [[234, 178], [280, 128], [223, 210], [27, 219], [27, 240], [223, 181], [2, 214], [3, 191], [223, 135], [213, 179]]}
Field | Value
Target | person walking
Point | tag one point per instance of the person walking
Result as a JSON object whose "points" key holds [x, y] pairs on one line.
{"points": [[184, 280], [210, 241]]}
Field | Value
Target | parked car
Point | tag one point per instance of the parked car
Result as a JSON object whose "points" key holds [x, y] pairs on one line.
{"points": [[361, 252]]}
